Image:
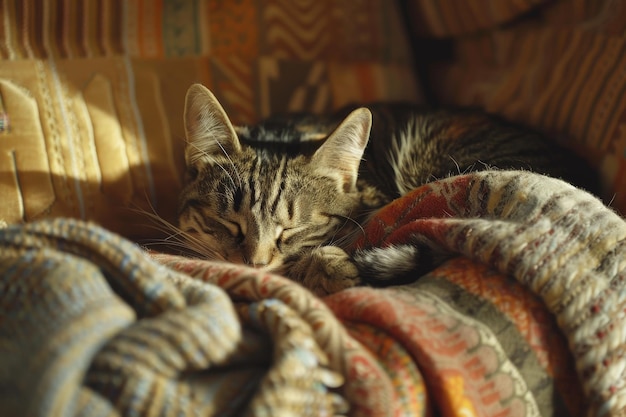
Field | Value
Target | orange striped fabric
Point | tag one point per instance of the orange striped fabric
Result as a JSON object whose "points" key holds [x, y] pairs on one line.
{"points": [[442, 18], [345, 31], [559, 68]]}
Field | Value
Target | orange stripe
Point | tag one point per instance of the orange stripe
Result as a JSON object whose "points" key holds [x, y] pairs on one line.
{"points": [[10, 44], [158, 28], [607, 101], [45, 28], [80, 18], [97, 21], [547, 110], [587, 55], [140, 12], [70, 26], [532, 77], [64, 28], [594, 111], [4, 31], [509, 89], [105, 27], [90, 25], [85, 29], [24, 25], [116, 32], [130, 30]]}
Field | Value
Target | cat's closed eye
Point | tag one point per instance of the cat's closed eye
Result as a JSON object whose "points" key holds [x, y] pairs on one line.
{"points": [[280, 236], [236, 231], [193, 231], [286, 236]]}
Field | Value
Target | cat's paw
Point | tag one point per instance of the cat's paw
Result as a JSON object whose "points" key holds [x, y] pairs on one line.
{"points": [[326, 270]]}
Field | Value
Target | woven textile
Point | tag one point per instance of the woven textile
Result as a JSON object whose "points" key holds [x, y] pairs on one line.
{"points": [[481, 326], [557, 66], [561, 243], [89, 324], [524, 320], [92, 92]]}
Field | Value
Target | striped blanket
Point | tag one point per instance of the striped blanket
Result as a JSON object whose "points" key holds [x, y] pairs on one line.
{"points": [[526, 318]]}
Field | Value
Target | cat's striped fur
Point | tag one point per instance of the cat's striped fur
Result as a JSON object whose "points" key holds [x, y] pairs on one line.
{"points": [[288, 194]]}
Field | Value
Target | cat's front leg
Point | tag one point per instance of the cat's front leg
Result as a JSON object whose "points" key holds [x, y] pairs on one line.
{"points": [[325, 270]]}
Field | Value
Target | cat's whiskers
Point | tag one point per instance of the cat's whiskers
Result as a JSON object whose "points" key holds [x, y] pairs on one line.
{"points": [[432, 178], [190, 243], [230, 177], [208, 156], [177, 238], [350, 236], [182, 248], [458, 168], [231, 164]]}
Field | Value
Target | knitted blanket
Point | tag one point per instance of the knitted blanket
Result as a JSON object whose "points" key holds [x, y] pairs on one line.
{"points": [[526, 318]]}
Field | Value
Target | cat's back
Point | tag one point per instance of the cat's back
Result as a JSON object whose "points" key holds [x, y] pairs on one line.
{"points": [[291, 133], [411, 145]]}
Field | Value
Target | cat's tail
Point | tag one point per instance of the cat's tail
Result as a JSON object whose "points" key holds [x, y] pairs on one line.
{"points": [[397, 264]]}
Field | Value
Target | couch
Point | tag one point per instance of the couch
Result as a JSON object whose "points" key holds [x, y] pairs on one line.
{"points": [[526, 318]]}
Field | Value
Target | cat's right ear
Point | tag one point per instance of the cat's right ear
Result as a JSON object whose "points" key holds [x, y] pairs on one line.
{"points": [[340, 156], [208, 130]]}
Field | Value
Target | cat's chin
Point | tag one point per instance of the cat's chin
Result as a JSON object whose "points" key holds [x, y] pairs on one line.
{"points": [[277, 268]]}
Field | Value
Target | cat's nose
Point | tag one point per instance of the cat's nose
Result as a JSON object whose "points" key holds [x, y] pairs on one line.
{"points": [[261, 256], [258, 263], [260, 260]]}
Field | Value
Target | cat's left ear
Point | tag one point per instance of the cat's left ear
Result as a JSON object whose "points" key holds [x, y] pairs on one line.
{"points": [[340, 155], [207, 127]]}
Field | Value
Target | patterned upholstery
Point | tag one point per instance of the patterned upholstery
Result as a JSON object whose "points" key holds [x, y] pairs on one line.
{"points": [[94, 91], [525, 319], [554, 65]]}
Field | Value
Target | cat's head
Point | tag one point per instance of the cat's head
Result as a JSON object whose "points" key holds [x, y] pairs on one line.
{"points": [[264, 208]]}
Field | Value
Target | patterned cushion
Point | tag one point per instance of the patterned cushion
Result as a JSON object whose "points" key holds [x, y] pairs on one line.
{"points": [[557, 66]]}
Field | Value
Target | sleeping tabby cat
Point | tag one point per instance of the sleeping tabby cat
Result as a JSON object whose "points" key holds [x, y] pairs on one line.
{"points": [[288, 194]]}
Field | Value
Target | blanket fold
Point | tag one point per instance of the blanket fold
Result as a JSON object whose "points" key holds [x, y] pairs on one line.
{"points": [[89, 323], [560, 242], [524, 319]]}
